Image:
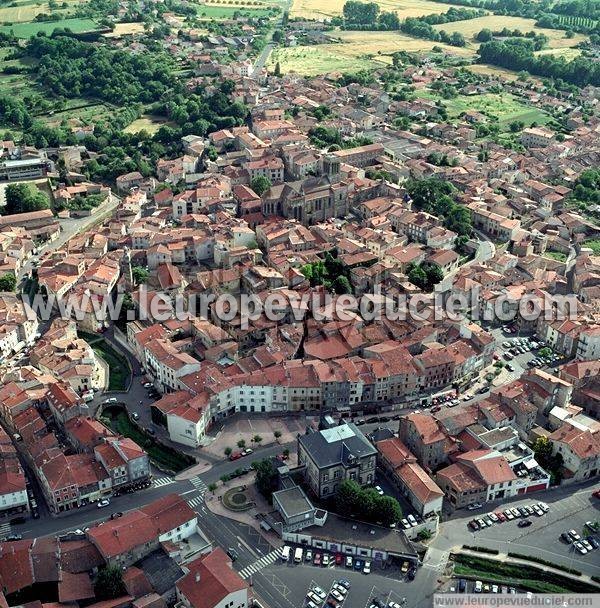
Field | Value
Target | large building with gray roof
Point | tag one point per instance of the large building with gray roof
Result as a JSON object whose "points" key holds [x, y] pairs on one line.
{"points": [[333, 455]]}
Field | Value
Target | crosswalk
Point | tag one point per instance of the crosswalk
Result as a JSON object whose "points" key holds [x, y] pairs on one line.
{"points": [[196, 502], [263, 562], [4, 530], [199, 485], [162, 481]]}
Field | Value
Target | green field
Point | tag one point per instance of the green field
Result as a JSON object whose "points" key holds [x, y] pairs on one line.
{"points": [[26, 30], [505, 107]]}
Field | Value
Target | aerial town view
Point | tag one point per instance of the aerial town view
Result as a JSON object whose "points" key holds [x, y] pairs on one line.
{"points": [[299, 303]]}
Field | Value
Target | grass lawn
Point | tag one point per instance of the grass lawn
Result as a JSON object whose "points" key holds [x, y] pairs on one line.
{"points": [[556, 255], [26, 30], [120, 371], [320, 9], [593, 244], [527, 577], [148, 123], [163, 457], [505, 107]]}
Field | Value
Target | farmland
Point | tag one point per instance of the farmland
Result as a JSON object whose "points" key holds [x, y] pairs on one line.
{"points": [[25, 30], [26, 10], [322, 9], [123, 29], [471, 27], [356, 51], [207, 11]]}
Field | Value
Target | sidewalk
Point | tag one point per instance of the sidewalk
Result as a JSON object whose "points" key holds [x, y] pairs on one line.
{"points": [[214, 503]]}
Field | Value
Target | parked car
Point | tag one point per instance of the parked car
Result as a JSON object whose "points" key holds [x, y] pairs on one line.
{"points": [[367, 567], [232, 553], [103, 503], [319, 592], [116, 515], [509, 514], [317, 559], [379, 490], [524, 523], [110, 400], [348, 561], [308, 556], [478, 587], [326, 559], [412, 520], [474, 525], [474, 506], [135, 416], [574, 536], [358, 565], [247, 451], [581, 548], [405, 567]]}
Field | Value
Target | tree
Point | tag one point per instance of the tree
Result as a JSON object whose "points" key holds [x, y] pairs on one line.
{"points": [[140, 275], [257, 439], [387, 510], [266, 477], [260, 184], [8, 282], [545, 352], [348, 498], [241, 443], [286, 452], [24, 198], [227, 451], [212, 487], [224, 479], [484, 35], [277, 36], [342, 285], [277, 435], [277, 71], [109, 583]]}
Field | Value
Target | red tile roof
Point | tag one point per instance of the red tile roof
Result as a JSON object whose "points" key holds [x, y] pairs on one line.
{"points": [[210, 580]]}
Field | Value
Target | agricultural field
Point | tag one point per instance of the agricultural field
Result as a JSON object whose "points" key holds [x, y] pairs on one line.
{"points": [[356, 51], [26, 30], [124, 29], [148, 123], [469, 29], [567, 53], [323, 9], [211, 11], [26, 10]]}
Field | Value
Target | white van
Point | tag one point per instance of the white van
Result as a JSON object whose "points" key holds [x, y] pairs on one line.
{"points": [[285, 554], [298, 555]]}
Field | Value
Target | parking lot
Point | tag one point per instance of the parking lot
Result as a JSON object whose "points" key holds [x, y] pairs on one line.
{"points": [[295, 581], [568, 510]]}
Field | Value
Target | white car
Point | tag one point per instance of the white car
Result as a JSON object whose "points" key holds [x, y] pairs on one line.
{"points": [[340, 588], [405, 524], [379, 490], [247, 451], [319, 593], [308, 556], [367, 567], [326, 560], [135, 416], [478, 587], [544, 507], [110, 400], [336, 595], [587, 545], [509, 514], [495, 589], [493, 517], [581, 548], [412, 520], [103, 503]]}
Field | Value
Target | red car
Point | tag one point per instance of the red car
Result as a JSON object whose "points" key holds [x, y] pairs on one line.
{"points": [[338, 559], [235, 456], [317, 560], [500, 516], [596, 494]]}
